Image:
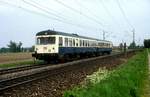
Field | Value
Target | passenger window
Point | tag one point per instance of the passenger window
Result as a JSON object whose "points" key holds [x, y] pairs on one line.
{"points": [[83, 43], [88, 43], [80, 43], [70, 42], [60, 41], [73, 42], [66, 42], [77, 42]]}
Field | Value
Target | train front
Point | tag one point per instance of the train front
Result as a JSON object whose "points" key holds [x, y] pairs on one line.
{"points": [[46, 47]]}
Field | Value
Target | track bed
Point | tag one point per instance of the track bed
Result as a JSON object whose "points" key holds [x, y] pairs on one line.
{"points": [[64, 78]]}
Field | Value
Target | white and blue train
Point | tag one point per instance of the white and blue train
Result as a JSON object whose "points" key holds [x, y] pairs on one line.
{"points": [[52, 45]]}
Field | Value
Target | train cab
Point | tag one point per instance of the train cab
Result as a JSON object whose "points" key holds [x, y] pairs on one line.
{"points": [[46, 44]]}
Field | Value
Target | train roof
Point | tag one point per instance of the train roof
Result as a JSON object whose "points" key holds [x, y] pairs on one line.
{"points": [[52, 32]]}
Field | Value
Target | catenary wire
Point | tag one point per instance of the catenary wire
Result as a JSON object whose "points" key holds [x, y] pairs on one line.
{"points": [[47, 16], [77, 11]]}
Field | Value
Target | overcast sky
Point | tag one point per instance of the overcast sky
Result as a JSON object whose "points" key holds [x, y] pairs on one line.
{"points": [[20, 20]]}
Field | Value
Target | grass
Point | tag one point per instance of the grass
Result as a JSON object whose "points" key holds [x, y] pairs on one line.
{"points": [[22, 63], [125, 81], [146, 86]]}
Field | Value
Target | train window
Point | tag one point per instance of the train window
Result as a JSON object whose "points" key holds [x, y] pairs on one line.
{"points": [[77, 42], [38, 41], [83, 43], [101, 44], [60, 41], [46, 40], [66, 42], [93, 44], [87, 43], [80, 43], [70, 42], [108, 45], [73, 42], [105, 44]]}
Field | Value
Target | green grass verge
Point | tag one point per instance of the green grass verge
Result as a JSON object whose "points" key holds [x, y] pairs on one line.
{"points": [[23, 63], [125, 81], [146, 86], [149, 49]]}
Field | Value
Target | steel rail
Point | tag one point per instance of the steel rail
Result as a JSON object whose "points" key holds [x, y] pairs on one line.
{"points": [[21, 68]]}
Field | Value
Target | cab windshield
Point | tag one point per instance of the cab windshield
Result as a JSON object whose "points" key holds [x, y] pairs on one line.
{"points": [[45, 40]]}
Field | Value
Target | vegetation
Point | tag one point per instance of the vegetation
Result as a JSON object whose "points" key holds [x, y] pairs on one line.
{"points": [[23, 63], [15, 47], [4, 50], [125, 81], [147, 43], [132, 45], [146, 86]]}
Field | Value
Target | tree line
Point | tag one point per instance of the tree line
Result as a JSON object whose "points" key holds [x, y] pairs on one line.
{"points": [[15, 47]]}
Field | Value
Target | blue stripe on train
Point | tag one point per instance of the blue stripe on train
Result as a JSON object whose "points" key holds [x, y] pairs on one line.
{"points": [[67, 50]]}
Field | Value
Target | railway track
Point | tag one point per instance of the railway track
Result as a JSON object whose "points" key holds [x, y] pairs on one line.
{"points": [[21, 68], [50, 71], [12, 82]]}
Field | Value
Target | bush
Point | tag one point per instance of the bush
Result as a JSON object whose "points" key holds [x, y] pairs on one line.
{"points": [[147, 43]]}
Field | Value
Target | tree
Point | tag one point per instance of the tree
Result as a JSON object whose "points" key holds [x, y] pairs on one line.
{"points": [[147, 43], [19, 49], [121, 46], [14, 47], [4, 50], [132, 45]]}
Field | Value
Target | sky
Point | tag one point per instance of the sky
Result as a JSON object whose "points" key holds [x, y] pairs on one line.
{"points": [[20, 20]]}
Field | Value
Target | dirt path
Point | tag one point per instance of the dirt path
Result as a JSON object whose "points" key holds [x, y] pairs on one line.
{"points": [[147, 82]]}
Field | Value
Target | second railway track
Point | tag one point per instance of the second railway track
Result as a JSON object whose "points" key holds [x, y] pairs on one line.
{"points": [[21, 68]]}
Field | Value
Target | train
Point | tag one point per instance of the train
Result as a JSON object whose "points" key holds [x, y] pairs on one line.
{"points": [[54, 45]]}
